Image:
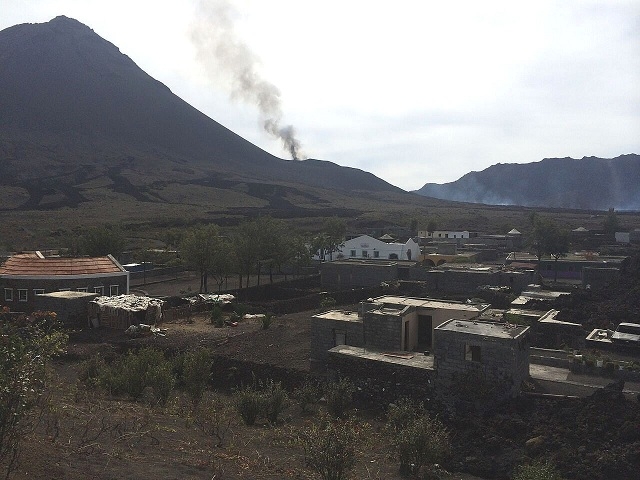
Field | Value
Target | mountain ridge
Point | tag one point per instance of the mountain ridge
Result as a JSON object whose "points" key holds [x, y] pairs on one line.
{"points": [[65, 92], [590, 183]]}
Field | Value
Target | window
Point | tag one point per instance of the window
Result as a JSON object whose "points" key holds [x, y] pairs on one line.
{"points": [[376, 254], [339, 337], [113, 290], [353, 253], [81, 289], [22, 294], [99, 290], [38, 291], [365, 254], [472, 353], [8, 294]]}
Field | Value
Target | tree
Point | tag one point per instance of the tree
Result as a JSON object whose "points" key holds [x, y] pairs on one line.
{"points": [[611, 224], [299, 252], [208, 252], [334, 230], [28, 342], [547, 238], [103, 240]]}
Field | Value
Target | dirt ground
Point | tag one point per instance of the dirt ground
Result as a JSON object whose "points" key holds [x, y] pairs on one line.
{"points": [[82, 434]]}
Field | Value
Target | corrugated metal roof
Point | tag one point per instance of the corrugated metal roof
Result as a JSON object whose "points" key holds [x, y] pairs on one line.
{"points": [[30, 264]]}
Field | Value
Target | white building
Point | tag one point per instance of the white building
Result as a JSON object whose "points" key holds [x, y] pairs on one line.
{"points": [[365, 246], [446, 234]]}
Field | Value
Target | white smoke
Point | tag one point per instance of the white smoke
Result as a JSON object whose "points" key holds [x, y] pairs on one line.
{"points": [[224, 55]]}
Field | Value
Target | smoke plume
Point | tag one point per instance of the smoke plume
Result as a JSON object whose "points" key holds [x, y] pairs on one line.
{"points": [[226, 57]]}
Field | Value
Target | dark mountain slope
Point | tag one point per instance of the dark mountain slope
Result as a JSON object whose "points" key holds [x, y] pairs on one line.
{"points": [[72, 105], [589, 183]]}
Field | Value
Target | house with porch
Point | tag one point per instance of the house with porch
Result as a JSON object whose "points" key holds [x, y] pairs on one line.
{"points": [[23, 276]]}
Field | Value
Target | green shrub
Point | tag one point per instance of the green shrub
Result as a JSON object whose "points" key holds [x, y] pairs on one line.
{"points": [[135, 373], [240, 310], [306, 395], [330, 447], [423, 441], [92, 371], [248, 403], [417, 439], [196, 371], [267, 320], [327, 303], [214, 419], [273, 399], [217, 316], [339, 396], [537, 470]]}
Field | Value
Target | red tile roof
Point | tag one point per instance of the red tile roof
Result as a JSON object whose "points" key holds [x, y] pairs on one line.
{"points": [[31, 264]]}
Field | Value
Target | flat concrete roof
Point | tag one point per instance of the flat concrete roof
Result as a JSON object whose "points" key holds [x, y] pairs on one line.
{"points": [[409, 359], [484, 329], [429, 303], [341, 315], [68, 294]]}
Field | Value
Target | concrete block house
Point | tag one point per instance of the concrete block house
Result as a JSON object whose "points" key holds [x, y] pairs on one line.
{"points": [[495, 354], [25, 275], [386, 323], [381, 349]]}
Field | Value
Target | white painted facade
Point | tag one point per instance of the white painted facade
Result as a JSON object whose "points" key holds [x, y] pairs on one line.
{"points": [[366, 246], [443, 234]]}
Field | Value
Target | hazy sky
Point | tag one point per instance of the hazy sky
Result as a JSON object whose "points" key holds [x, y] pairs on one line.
{"points": [[413, 91]]}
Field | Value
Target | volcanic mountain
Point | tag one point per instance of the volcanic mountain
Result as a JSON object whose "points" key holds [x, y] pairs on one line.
{"points": [[589, 183], [78, 116]]}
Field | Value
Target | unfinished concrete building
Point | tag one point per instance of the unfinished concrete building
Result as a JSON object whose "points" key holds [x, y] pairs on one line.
{"points": [[386, 323]]}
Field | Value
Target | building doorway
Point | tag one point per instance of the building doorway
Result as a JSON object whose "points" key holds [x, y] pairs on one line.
{"points": [[425, 331]]}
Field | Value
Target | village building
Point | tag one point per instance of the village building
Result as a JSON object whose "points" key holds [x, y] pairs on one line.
{"points": [[365, 246], [386, 323], [25, 275], [569, 267], [357, 273], [491, 354]]}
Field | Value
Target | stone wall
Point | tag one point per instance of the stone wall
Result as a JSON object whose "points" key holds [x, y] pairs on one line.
{"points": [[381, 383], [468, 281], [351, 275], [323, 335], [382, 331], [503, 364]]}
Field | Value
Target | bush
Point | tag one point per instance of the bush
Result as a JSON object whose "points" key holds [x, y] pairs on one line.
{"points": [[268, 402], [248, 404], [339, 396], [267, 320], [196, 370], [27, 343], [217, 316], [135, 373], [538, 470], [327, 303], [213, 418], [306, 395], [330, 447], [92, 371], [418, 440], [273, 399]]}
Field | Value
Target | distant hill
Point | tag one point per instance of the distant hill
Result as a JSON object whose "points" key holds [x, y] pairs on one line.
{"points": [[76, 115], [590, 183]]}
